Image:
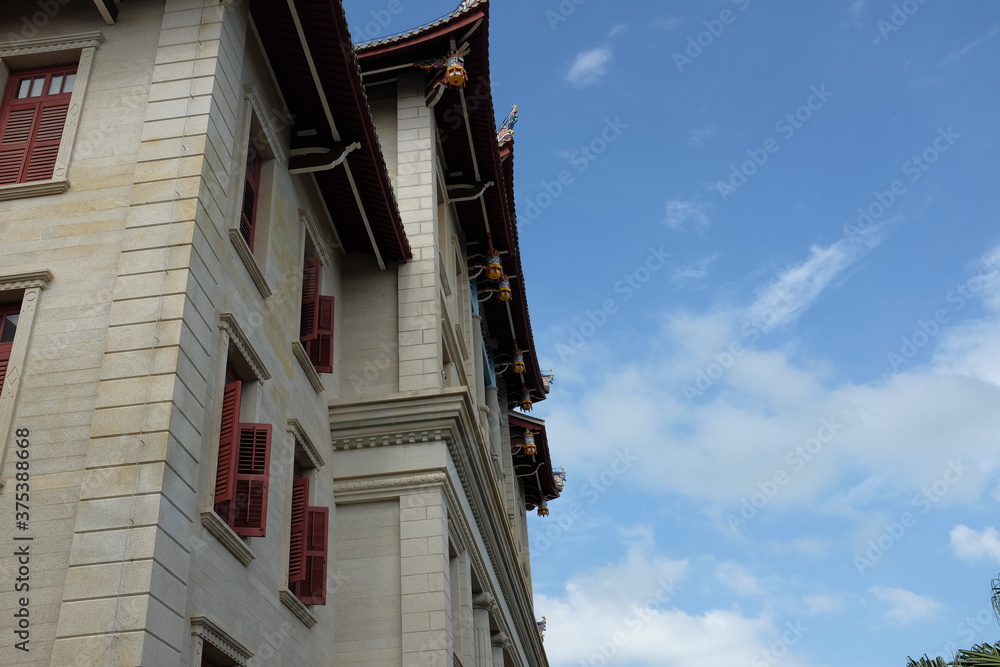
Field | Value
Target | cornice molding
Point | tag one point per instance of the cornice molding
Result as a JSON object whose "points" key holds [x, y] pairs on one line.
{"points": [[228, 323], [29, 280], [202, 627], [252, 97], [56, 186], [312, 229], [23, 47], [299, 433], [215, 525]]}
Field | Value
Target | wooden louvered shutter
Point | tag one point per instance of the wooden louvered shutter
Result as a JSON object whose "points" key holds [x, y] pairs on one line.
{"points": [[31, 126], [225, 475], [313, 589], [297, 547], [4, 360], [251, 192], [320, 348], [253, 462], [312, 276]]}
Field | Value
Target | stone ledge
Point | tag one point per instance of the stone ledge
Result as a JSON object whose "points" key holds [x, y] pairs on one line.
{"points": [[35, 189], [300, 610], [243, 250], [300, 353], [227, 536]]}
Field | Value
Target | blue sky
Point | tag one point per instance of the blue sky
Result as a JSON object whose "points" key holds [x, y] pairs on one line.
{"points": [[769, 285]]}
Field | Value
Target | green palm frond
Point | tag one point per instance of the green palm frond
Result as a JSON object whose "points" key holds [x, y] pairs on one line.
{"points": [[926, 662], [980, 655]]}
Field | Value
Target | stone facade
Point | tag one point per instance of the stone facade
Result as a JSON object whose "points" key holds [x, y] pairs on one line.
{"points": [[138, 299]]}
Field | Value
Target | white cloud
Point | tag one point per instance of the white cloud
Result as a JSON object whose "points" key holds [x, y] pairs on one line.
{"points": [[697, 271], [622, 614], [617, 30], [682, 213], [738, 578], [716, 426], [968, 544], [904, 606], [822, 603], [589, 67], [793, 291]]}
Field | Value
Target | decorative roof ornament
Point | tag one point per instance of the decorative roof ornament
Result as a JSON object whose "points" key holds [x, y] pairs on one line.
{"points": [[543, 510], [453, 65], [518, 361], [526, 401], [529, 444], [503, 292], [560, 477], [505, 134], [542, 624], [548, 379], [494, 269]]}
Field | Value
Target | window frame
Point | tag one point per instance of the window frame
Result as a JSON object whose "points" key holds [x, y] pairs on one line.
{"points": [[244, 361], [257, 134], [37, 53], [30, 286]]}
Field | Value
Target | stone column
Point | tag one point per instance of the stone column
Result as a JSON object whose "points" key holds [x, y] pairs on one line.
{"points": [[501, 642], [482, 605]]}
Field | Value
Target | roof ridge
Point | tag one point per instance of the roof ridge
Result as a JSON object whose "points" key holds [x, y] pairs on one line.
{"points": [[463, 8]]}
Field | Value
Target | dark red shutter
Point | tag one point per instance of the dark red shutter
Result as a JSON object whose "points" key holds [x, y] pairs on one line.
{"points": [[311, 279], [297, 547], [313, 589], [4, 360], [31, 128], [320, 347], [253, 462], [251, 191], [228, 442]]}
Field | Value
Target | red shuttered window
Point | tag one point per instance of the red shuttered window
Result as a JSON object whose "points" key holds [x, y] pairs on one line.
{"points": [[32, 118], [9, 313], [297, 546], [312, 588], [316, 324], [241, 480], [251, 192]]}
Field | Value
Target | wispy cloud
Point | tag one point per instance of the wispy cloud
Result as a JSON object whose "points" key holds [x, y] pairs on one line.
{"points": [[904, 606], [696, 271], [698, 136], [952, 58], [617, 29], [785, 298], [682, 213], [589, 67], [969, 544]]}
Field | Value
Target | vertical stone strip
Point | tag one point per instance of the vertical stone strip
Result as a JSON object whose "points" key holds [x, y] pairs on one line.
{"points": [[425, 604], [125, 596], [420, 357]]}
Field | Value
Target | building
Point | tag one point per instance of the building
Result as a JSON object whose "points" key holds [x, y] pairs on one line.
{"points": [[263, 333]]}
